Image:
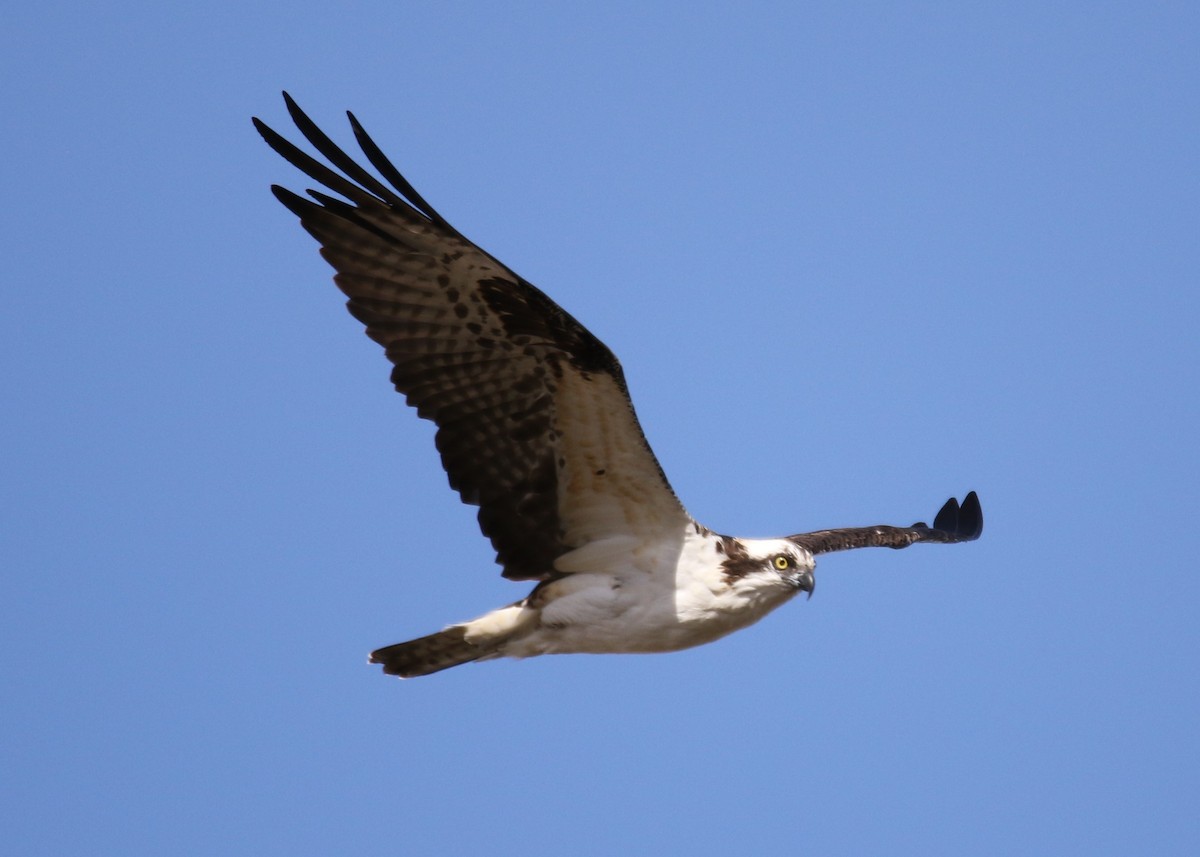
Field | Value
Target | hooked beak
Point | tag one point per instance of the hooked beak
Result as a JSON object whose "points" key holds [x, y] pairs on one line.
{"points": [[807, 581]]}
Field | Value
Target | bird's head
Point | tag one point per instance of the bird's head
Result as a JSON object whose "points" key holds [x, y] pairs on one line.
{"points": [[768, 563]]}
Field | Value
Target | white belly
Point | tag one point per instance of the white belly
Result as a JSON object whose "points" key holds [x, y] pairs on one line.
{"points": [[635, 611]]}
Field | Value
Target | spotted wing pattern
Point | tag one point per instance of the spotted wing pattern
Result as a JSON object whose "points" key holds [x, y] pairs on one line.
{"points": [[535, 425]]}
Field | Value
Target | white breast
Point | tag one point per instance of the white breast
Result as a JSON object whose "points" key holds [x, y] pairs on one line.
{"points": [[651, 598]]}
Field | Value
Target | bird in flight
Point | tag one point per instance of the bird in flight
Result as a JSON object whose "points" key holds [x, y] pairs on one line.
{"points": [[535, 427]]}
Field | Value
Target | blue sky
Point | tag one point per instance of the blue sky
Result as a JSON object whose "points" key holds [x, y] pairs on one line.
{"points": [[855, 258]]}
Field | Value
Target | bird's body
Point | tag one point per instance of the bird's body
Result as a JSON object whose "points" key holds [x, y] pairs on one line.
{"points": [[660, 597], [629, 596], [535, 426]]}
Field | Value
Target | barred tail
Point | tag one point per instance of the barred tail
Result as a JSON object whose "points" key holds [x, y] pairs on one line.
{"points": [[459, 644], [430, 654]]}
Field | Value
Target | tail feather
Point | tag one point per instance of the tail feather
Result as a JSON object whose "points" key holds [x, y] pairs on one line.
{"points": [[484, 637], [429, 654]]}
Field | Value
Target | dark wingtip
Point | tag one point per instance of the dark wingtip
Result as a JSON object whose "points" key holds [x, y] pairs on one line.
{"points": [[970, 515], [273, 138], [963, 522], [947, 517], [298, 205]]}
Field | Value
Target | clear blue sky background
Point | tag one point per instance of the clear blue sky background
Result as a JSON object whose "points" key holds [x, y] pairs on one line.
{"points": [[855, 257]]}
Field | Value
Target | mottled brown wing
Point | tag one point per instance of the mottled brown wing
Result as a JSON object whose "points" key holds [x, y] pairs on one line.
{"points": [[954, 523], [535, 425]]}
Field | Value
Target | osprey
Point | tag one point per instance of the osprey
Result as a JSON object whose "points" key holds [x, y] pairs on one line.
{"points": [[536, 428]]}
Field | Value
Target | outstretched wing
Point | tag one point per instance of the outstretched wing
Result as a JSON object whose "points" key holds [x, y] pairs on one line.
{"points": [[535, 425], [954, 523]]}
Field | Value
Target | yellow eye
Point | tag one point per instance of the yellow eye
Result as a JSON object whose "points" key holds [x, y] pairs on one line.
{"points": [[782, 562]]}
